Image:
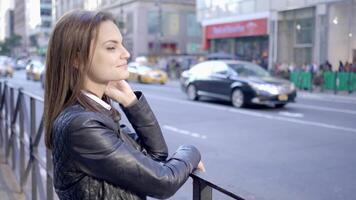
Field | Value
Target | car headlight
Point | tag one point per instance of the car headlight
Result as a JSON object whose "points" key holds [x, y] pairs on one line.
{"points": [[271, 89], [292, 87]]}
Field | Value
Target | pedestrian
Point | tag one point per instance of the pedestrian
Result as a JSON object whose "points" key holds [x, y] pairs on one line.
{"points": [[328, 66], [341, 66], [94, 155]]}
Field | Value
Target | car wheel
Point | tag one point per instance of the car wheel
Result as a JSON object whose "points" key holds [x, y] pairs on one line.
{"points": [[192, 92], [238, 98], [281, 105]]}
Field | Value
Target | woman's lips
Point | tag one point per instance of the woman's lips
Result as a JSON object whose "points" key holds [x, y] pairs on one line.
{"points": [[124, 66]]}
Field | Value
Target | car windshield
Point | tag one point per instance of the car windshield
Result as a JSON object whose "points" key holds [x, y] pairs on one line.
{"points": [[249, 69], [37, 64], [143, 68]]}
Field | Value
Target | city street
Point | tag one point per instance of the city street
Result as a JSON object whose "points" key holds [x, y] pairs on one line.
{"points": [[302, 151]]}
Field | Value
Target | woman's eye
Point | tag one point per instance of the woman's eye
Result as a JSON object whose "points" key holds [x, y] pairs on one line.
{"points": [[110, 48]]}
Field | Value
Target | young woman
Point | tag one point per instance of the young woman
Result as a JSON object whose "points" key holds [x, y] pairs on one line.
{"points": [[95, 157]]}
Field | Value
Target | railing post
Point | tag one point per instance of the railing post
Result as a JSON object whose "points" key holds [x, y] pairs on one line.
{"points": [[49, 180], [12, 140], [1, 115], [6, 120], [22, 140], [201, 191], [33, 149]]}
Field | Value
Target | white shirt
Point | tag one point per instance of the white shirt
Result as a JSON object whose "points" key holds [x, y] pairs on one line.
{"points": [[97, 100]]}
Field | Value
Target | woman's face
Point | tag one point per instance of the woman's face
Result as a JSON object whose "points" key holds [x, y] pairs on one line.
{"points": [[109, 56]]}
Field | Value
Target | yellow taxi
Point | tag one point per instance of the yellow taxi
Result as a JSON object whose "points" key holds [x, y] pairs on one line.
{"points": [[146, 74], [6, 66], [34, 70]]}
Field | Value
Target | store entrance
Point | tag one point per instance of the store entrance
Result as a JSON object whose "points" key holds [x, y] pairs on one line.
{"points": [[252, 49]]}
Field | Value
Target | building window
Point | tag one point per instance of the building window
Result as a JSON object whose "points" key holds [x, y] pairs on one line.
{"points": [[152, 21], [170, 23], [296, 36], [304, 31], [46, 24], [129, 23], [193, 27], [46, 12]]}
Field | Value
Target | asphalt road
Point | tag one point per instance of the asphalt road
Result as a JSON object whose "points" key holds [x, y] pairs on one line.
{"points": [[303, 151]]}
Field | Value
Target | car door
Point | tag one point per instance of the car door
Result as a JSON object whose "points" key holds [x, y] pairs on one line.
{"points": [[200, 76], [220, 80]]}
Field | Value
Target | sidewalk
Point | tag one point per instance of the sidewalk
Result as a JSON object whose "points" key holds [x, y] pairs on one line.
{"points": [[9, 189]]}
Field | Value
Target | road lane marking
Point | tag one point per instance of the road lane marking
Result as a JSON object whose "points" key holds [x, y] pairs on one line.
{"points": [[255, 114], [184, 132], [324, 108], [291, 114]]}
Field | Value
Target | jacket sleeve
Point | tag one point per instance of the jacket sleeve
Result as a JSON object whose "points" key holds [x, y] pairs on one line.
{"points": [[147, 128], [101, 154]]}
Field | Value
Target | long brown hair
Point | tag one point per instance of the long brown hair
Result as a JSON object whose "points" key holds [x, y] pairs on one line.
{"points": [[67, 61]]}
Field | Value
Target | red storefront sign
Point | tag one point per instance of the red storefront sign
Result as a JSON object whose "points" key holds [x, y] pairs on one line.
{"points": [[235, 29]]}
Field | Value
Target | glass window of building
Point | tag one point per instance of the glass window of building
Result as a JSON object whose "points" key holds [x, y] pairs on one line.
{"points": [[46, 24], [296, 36], [129, 23], [152, 21], [170, 23], [247, 6], [193, 27], [304, 31], [46, 12]]}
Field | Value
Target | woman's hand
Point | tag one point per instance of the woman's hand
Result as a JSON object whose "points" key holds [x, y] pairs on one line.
{"points": [[121, 92], [201, 166]]}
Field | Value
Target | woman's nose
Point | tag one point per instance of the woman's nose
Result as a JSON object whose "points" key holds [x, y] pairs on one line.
{"points": [[125, 54]]}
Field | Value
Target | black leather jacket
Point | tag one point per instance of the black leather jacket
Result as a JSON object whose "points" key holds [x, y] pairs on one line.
{"points": [[94, 158]]}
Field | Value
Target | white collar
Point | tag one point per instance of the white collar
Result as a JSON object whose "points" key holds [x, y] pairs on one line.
{"points": [[97, 100]]}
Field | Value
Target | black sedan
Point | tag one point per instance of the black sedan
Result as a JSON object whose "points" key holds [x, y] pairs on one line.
{"points": [[242, 83]]}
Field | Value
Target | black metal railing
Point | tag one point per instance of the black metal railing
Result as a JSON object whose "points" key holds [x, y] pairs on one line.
{"points": [[21, 138]]}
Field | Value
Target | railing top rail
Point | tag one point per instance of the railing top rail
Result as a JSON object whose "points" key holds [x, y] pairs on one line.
{"points": [[224, 189], [34, 96]]}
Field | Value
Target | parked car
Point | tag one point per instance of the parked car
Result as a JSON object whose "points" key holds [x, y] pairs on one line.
{"points": [[6, 66], [242, 83], [146, 74], [34, 70]]}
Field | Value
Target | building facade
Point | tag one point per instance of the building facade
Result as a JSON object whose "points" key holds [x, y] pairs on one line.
{"points": [[152, 28], [296, 32], [41, 28], [20, 25]]}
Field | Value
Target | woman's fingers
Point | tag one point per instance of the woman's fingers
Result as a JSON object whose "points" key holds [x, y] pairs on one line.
{"points": [[201, 166]]}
